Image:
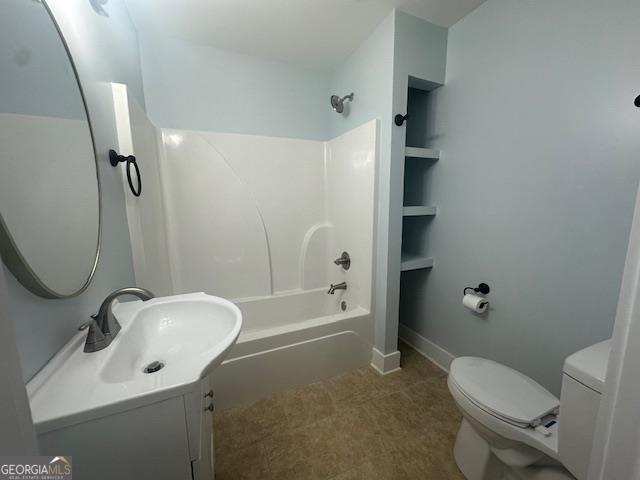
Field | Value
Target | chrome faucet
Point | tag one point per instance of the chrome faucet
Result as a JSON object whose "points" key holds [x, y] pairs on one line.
{"points": [[337, 286], [104, 327]]}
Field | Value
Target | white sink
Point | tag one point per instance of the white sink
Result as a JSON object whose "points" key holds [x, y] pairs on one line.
{"points": [[189, 334]]}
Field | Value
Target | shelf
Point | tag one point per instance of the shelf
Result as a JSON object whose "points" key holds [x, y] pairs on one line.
{"points": [[415, 152], [415, 262], [419, 211]]}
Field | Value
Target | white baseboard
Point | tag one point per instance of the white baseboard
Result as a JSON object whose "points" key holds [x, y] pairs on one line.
{"points": [[385, 364], [427, 348]]}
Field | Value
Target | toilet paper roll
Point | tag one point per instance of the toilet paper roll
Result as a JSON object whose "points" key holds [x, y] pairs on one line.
{"points": [[475, 303]]}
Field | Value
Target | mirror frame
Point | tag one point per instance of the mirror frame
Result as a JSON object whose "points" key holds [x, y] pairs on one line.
{"points": [[9, 250]]}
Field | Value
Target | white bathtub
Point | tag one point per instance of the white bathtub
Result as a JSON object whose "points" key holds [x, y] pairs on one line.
{"points": [[292, 339]]}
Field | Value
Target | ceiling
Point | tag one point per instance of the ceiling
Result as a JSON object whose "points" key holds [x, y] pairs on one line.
{"points": [[312, 33]]}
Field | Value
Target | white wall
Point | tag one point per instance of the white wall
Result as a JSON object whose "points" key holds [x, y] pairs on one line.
{"points": [[195, 87], [536, 180]]}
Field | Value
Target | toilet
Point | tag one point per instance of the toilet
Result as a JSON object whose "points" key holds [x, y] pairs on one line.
{"points": [[513, 428]]}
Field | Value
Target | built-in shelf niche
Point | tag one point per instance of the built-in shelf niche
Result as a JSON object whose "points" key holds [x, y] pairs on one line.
{"points": [[415, 242], [415, 262], [420, 126], [425, 153], [417, 182], [418, 210]]}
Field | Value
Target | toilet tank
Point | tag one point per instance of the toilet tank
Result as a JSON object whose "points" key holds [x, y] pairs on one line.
{"points": [[582, 383]]}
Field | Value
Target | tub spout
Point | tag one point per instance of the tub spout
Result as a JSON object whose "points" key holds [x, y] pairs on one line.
{"points": [[337, 286]]}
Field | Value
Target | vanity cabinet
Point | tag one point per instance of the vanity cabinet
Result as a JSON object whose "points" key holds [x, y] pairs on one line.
{"points": [[201, 431], [170, 439], [141, 408]]}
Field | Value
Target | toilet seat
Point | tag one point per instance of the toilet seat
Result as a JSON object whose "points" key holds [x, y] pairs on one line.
{"points": [[502, 391], [472, 381]]}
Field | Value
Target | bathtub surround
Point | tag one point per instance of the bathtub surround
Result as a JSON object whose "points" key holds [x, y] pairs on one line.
{"points": [[236, 234], [298, 333], [104, 49], [269, 245], [294, 332], [236, 217], [536, 181]]}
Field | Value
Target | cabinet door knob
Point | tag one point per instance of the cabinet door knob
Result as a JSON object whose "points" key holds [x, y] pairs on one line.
{"points": [[209, 394], [209, 408]]}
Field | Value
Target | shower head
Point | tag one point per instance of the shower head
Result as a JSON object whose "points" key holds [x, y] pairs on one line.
{"points": [[337, 103]]}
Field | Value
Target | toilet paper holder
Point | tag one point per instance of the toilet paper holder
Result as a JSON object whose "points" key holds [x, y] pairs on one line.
{"points": [[482, 288]]}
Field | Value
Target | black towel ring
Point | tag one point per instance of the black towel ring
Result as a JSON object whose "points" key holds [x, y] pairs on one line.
{"points": [[131, 160], [114, 159]]}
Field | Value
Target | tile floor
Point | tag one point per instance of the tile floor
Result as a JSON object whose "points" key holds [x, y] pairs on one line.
{"points": [[357, 426]]}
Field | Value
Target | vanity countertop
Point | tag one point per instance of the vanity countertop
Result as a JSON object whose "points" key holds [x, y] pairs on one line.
{"points": [[190, 334]]}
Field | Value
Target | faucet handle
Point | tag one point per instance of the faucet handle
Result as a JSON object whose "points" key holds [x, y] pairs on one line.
{"points": [[95, 335], [343, 261], [85, 325]]}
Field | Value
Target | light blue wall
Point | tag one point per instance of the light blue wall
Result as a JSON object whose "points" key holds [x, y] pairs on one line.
{"points": [[104, 48], [368, 72], [377, 72], [536, 182], [420, 51], [204, 88]]}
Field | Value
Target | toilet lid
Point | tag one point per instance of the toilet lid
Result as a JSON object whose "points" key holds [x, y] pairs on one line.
{"points": [[502, 391]]}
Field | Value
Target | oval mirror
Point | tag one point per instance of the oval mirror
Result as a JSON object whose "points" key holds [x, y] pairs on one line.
{"points": [[49, 190]]}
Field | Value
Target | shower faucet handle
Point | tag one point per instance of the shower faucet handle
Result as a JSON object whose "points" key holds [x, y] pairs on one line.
{"points": [[344, 261]]}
